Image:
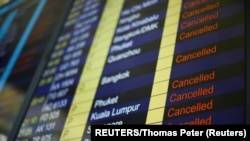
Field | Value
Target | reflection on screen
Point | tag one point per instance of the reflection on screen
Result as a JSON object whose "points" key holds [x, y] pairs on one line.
{"points": [[27, 30]]}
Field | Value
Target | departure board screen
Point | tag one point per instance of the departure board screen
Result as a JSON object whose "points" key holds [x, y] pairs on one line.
{"points": [[140, 62]]}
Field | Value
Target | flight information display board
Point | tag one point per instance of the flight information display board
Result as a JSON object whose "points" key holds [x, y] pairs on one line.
{"points": [[163, 62]]}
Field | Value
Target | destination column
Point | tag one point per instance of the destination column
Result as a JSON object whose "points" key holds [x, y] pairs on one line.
{"points": [[124, 90]]}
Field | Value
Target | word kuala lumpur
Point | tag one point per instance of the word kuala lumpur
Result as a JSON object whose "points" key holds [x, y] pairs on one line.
{"points": [[114, 112]]}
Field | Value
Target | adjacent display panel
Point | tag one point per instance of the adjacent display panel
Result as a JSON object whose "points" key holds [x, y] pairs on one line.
{"points": [[12, 31], [52, 98], [27, 30], [164, 62]]}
